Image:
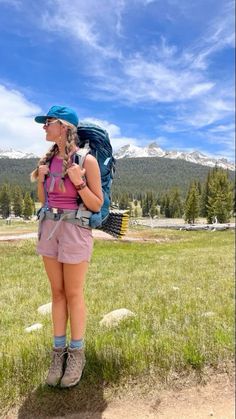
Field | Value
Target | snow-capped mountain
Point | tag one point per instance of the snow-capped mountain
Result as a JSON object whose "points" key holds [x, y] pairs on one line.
{"points": [[14, 154], [153, 150]]}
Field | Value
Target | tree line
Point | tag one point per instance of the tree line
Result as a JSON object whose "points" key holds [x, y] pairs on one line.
{"points": [[213, 200], [13, 200]]}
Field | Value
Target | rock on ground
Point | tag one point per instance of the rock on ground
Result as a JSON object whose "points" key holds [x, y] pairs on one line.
{"points": [[115, 317], [33, 327], [45, 308]]}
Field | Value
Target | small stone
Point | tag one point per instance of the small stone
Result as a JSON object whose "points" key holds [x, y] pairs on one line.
{"points": [[187, 320], [45, 309], [33, 327], [208, 314], [175, 288], [115, 317]]}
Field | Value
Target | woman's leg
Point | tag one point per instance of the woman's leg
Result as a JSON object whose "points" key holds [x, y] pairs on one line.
{"points": [[54, 270], [74, 278]]}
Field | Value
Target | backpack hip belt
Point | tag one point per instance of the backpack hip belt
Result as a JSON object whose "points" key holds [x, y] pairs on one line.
{"points": [[78, 217]]}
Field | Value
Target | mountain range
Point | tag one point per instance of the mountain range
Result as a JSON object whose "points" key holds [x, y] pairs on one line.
{"points": [[152, 150], [15, 154]]}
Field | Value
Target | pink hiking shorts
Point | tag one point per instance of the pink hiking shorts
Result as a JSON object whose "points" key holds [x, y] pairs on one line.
{"points": [[70, 243]]}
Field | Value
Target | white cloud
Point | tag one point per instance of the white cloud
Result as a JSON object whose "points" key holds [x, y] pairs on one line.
{"points": [[20, 132], [112, 129], [117, 140], [18, 129], [222, 128], [90, 24], [162, 74], [219, 34], [147, 2], [209, 111], [224, 143], [154, 81]]}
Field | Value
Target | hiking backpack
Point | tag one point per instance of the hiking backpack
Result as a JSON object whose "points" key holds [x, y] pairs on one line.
{"points": [[95, 140]]}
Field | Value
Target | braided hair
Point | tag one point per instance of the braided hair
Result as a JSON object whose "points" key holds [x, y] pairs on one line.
{"points": [[71, 142]]}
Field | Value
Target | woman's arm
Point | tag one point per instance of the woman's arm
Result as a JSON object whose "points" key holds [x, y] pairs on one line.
{"points": [[42, 172], [41, 194], [91, 195]]}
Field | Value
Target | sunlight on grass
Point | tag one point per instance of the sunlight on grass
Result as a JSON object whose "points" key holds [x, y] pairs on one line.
{"points": [[17, 227], [181, 291]]}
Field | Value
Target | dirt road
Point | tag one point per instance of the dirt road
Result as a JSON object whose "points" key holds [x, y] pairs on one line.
{"points": [[213, 400]]}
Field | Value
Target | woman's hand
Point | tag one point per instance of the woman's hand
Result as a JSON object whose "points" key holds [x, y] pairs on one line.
{"points": [[76, 174], [42, 172]]}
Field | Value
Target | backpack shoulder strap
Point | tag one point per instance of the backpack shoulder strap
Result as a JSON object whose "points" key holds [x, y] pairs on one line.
{"points": [[79, 155]]}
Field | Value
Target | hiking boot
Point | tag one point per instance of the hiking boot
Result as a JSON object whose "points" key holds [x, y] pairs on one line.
{"points": [[56, 369], [74, 367]]}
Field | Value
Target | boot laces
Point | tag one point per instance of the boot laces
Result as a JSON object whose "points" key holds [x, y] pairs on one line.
{"points": [[73, 361], [56, 361]]}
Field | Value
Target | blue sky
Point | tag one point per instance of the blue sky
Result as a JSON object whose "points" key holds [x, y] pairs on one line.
{"points": [[147, 70]]}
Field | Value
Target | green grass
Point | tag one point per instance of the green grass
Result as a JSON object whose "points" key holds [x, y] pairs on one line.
{"points": [[180, 289], [17, 227]]}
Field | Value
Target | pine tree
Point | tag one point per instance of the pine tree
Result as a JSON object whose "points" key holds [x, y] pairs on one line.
{"points": [[153, 210], [199, 187], [124, 201], [148, 202], [18, 202], [220, 197], [162, 205], [192, 204], [5, 201], [204, 195], [167, 206], [28, 206], [176, 207]]}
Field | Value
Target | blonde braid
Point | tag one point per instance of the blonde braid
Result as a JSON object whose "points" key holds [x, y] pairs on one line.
{"points": [[71, 142], [44, 160]]}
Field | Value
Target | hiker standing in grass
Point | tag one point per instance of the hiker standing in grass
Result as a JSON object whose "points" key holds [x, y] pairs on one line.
{"points": [[65, 242]]}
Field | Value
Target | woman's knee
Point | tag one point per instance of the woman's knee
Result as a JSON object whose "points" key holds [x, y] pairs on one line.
{"points": [[58, 295], [75, 297]]}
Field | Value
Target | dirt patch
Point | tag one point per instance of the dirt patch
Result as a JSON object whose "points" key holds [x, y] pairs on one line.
{"points": [[14, 236], [97, 234], [214, 399]]}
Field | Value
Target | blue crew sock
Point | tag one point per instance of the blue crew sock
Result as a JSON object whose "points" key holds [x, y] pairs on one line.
{"points": [[78, 344], [59, 341]]}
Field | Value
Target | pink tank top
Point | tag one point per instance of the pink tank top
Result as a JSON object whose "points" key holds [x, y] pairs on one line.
{"points": [[57, 198]]}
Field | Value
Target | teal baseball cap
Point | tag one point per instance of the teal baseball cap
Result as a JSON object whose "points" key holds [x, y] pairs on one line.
{"points": [[59, 112]]}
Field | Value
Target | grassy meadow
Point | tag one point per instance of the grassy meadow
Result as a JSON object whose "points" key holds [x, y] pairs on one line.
{"points": [[17, 227], [181, 288]]}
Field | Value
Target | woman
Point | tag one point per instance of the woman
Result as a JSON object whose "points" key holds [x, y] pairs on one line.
{"points": [[65, 242]]}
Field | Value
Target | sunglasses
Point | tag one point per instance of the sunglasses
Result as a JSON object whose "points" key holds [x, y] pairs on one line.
{"points": [[48, 122]]}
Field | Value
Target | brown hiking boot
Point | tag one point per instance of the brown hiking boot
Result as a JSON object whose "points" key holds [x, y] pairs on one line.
{"points": [[56, 369], [74, 367]]}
